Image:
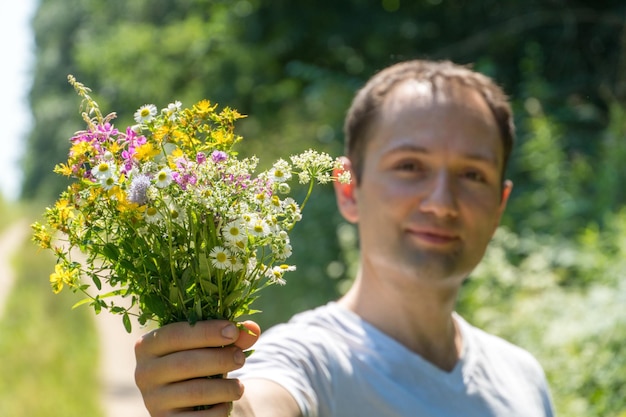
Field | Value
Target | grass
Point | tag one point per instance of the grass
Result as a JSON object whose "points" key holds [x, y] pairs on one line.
{"points": [[49, 352]]}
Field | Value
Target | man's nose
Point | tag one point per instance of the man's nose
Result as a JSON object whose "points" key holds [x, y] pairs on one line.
{"points": [[440, 196]]}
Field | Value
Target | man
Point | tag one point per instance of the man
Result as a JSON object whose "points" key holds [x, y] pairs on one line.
{"points": [[427, 146]]}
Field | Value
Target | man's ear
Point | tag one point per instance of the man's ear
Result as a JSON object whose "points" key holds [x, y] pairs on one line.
{"points": [[346, 193], [507, 187]]}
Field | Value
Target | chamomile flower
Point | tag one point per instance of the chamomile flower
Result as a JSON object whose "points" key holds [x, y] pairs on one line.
{"points": [[234, 264], [276, 273], [234, 231], [280, 172], [175, 213], [219, 257], [163, 178], [146, 113], [103, 170], [261, 198], [171, 110], [108, 183], [291, 206], [282, 251], [152, 215], [259, 228]]}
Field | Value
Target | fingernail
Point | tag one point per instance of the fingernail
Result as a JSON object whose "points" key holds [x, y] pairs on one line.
{"points": [[230, 332], [239, 357]]}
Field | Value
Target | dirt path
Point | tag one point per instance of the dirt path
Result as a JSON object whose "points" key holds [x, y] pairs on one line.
{"points": [[120, 396], [10, 242]]}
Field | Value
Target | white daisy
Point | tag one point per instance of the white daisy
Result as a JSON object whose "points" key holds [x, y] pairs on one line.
{"points": [[103, 170], [219, 257], [276, 273], [234, 231], [280, 172], [282, 251], [234, 263], [260, 198], [146, 113], [259, 228], [108, 183], [163, 178], [172, 109], [152, 215], [175, 213]]}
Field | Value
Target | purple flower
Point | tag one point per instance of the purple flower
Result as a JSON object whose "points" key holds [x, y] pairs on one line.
{"points": [[219, 156], [137, 193], [200, 158], [106, 131]]}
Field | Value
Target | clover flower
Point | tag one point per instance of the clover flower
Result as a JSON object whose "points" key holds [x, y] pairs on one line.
{"points": [[138, 191]]}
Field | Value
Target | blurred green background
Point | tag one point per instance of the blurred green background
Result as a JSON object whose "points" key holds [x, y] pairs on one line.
{"points": [[554, 279]]}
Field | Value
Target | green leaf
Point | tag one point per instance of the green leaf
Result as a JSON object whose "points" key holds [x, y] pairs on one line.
{"points": [[127, 325], [111, 251], [81, 302], [155, 304], [96, 281]]}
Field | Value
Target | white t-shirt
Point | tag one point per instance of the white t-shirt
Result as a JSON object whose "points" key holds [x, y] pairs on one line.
{"points": [[337, 365]]}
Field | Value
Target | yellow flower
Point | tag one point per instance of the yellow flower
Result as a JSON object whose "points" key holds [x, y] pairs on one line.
{"points": [[162, 133], [64, 210], [61, 276], [80, 149], [41, 236], [114, 147], [63, 169], [203, 107], [174, 156], [146, 152]]}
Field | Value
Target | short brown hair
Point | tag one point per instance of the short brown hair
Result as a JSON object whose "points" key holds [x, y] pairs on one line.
{"points": [[368, 101]]}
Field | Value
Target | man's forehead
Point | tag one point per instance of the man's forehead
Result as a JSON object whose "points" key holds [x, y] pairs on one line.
{"points": [[414, 94]]}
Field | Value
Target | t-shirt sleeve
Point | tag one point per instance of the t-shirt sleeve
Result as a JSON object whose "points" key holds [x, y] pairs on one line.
{"points": [[291, 362]]}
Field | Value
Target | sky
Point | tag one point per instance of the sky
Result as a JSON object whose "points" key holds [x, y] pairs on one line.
{"points": [[16, 50]]}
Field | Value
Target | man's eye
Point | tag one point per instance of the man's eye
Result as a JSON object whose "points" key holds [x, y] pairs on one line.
{"points": [[408, 166], [474, 176]]}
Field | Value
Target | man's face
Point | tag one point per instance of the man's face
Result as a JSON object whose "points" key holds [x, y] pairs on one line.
{"points": [[431, 196]]}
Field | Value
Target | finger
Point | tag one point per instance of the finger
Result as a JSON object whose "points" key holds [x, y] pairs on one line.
{"points": [[183, 336], [248, 335], [218, 410], [185, 395], [188, 364]]}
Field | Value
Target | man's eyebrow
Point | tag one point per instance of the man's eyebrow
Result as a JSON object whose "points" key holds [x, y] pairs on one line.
{"points": [[473, 156], [480, 157]]}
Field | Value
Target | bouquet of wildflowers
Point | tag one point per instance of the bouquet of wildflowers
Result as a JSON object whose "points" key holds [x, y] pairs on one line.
{"points": [[170, 218]]}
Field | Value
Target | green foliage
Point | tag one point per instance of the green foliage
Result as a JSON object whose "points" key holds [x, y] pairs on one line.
{"points": [[563, 301], [50, 353]]}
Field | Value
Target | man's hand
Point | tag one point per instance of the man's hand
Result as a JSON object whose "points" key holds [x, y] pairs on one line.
{"points": [[173, 363]]}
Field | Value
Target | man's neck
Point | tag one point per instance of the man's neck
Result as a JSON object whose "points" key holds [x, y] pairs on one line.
{"points": [[420, 319]]}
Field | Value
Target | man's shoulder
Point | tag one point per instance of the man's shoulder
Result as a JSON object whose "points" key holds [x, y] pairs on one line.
{"points": [[327, 331], [327, 318]]}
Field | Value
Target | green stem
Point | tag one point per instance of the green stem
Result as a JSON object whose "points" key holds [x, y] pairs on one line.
{"points": [[308, 194]]}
